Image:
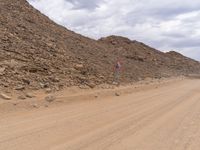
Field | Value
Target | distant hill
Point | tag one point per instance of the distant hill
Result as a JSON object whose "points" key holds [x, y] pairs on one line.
{"points": [[37, 53]]}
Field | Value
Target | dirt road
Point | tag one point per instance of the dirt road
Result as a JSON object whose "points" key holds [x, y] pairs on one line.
{"points": [[164, 118]]}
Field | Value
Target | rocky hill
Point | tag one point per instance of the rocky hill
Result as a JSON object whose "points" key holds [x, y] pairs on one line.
{"points": [[37, 53], [151, 61]]}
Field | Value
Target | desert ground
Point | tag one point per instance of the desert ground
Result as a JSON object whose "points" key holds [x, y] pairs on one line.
{"points": [[156, 116]]}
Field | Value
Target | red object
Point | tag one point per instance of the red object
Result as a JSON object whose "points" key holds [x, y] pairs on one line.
{"points": [[118, 66]]}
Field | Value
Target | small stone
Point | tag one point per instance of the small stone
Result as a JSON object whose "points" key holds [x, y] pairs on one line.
{"points": [[5, 97], [96, 96], [5, 85], [57, 88], [26, 81], [56, 80], [115, 83], [15, 104], [102, 77], [50, 98], [83, 87], [78, 66], [20, 87], [28, 95], [117, 94], [22, 97], [44, 85], [2, 71], [8, 92], [35, 106], [91, 85], [48, 90]]}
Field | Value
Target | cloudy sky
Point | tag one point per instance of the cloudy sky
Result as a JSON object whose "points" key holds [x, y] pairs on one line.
{"points": [[165, 25]]}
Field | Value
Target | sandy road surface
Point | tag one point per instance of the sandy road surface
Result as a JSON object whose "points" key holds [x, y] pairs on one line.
{"points": [[164, 118]]}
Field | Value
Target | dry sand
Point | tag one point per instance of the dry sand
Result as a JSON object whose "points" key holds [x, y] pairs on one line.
{"points": [[156, 117]]}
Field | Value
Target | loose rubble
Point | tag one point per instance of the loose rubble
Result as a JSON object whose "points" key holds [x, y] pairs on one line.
{"points": [[36, 53]]}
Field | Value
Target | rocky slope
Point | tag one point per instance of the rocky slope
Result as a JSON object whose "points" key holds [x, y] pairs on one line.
{"points": [[37, 53], [150, 61]]}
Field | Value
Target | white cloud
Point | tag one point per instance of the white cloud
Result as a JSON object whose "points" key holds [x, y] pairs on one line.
{"points": [[166, 25]]}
